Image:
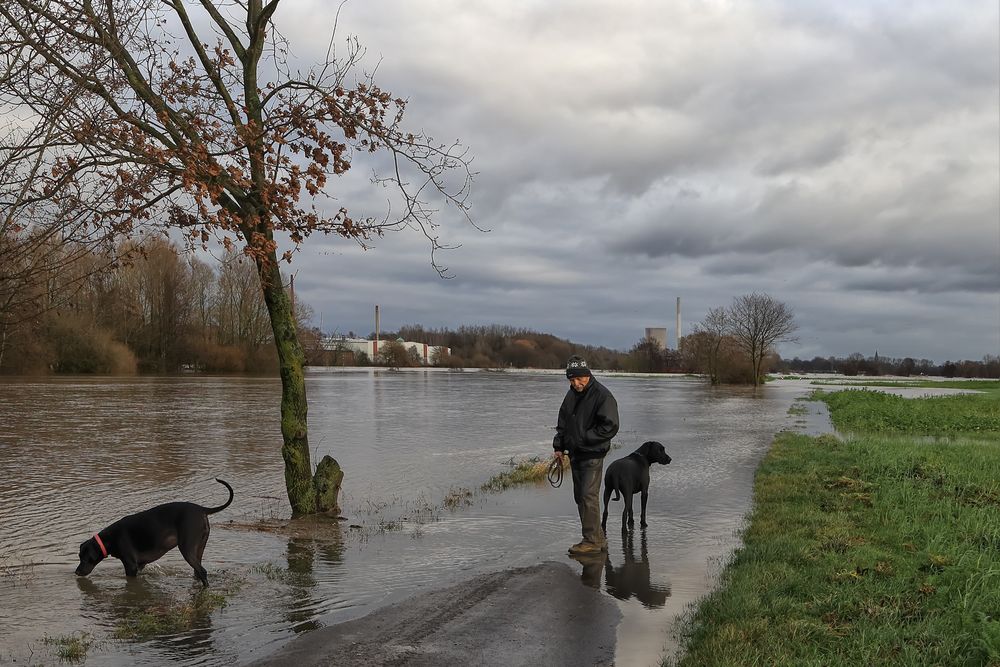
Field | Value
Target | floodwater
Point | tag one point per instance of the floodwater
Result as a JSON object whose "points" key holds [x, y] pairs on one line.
{"points": [[79, 453]]}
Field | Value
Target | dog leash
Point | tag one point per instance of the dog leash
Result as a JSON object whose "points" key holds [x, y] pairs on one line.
{"points": [[555, 473]]}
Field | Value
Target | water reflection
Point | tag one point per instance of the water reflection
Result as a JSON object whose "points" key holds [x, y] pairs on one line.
{"points": [[302, 556], [592, 564], [145, 610], [632, 577]]}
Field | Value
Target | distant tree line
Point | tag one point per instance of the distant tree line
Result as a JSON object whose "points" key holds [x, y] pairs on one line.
{"points": [[857, 364], [142, 309], [500, 346], [152, 308], [497, 347]]}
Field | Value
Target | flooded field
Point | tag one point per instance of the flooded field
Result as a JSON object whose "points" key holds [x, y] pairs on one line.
{"points": [[80, 453]]}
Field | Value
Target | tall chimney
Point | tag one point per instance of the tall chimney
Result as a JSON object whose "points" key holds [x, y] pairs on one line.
{"points": [[678, 323], [375, 351]]}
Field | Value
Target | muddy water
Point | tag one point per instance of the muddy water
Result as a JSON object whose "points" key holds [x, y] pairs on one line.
{"points": [[78, 454]]}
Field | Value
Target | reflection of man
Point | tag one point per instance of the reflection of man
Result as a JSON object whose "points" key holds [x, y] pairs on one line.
{"points": [[593, 566], [588, 419]]}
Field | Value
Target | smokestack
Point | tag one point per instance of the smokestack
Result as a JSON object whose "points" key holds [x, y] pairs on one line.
{"points": [[678, 323], [375, 351]]}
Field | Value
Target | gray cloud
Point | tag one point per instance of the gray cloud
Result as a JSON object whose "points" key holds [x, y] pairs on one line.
{"points": [[840, 156]]}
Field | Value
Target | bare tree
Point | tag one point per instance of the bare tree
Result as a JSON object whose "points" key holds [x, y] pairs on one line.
{"points": [[47, 248], [757, 321], [156, 124], [241, 316], [712, 331]]}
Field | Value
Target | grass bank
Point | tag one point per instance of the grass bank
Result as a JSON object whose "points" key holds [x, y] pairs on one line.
{"points": [[881, 549], [974, 385], [878, 412]]}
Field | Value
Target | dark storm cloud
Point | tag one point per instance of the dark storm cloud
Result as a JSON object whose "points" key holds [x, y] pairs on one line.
{"points": [[840, 156]]}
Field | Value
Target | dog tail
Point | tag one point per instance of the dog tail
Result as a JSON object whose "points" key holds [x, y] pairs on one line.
{"points": [[617, 495], [213, 510]]}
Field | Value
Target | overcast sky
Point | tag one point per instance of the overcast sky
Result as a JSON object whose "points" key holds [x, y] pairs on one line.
{"points": [[843, 157]]}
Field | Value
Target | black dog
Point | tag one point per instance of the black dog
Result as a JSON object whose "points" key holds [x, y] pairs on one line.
{"points": [[630, 475], [140, 539]]}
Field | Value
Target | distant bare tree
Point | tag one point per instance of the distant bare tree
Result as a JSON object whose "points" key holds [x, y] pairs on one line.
{"points": [[757, 321], [240, 314], [713, 329]]}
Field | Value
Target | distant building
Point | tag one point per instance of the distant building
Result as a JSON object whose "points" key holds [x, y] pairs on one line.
{"points": [[659, 334], [424, 351]]}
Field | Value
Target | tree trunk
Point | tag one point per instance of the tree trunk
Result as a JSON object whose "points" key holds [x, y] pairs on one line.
{"points": [[291, 363], [307, 494], [3, 342]]}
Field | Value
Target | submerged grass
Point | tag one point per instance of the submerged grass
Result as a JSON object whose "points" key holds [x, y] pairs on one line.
{"points": [[172, 616], [71, 648], [881, 549], [528, 471], [457, 497]]}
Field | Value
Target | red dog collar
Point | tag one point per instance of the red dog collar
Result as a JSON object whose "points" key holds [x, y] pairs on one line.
{"points": [[104, 551]]}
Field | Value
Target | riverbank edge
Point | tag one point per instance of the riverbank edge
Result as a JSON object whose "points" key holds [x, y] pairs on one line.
{"points": [[875, 549]]}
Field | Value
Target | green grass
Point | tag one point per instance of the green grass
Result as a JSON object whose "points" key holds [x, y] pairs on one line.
{"points": [[273, 572], [883, 549], [528, 471], [171, 617], [71, 648], [974, 385], [798, 409], [878, 412]]}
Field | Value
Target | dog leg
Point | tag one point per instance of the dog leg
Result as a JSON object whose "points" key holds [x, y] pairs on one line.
{"points": [[642, 518], [131, 567], [628, 510], [193, 548], [191, 556], [604, 517]]}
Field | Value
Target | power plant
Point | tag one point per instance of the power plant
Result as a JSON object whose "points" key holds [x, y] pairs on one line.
{"points": [[659, 334]]}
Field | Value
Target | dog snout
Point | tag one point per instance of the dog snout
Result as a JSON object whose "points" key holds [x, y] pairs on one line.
{"points": [[664, 458]]}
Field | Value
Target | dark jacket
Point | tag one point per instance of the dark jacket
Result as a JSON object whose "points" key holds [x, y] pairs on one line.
{"points": [[587, 422]]}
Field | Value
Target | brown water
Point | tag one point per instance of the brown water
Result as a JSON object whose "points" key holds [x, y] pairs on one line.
{"points": [[79, 453]]}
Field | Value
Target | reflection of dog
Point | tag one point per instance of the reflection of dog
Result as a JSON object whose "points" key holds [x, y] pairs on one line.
{"points": [[140, 539], [632, 578], [630, 475]]}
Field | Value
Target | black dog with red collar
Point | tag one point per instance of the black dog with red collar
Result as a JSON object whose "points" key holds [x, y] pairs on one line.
{"points": [[139, 539]]}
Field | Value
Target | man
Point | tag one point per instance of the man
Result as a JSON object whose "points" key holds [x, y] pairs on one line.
{"points": [[588, 419]]}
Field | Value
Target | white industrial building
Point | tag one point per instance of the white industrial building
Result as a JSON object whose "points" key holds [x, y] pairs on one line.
{"points": [[425, 352]]}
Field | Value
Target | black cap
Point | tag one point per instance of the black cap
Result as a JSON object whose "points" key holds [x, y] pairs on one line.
{"points": [[577, 367]]}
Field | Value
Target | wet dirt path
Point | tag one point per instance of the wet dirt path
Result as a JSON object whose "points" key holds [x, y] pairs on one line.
{"points": [[538, 615]]}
